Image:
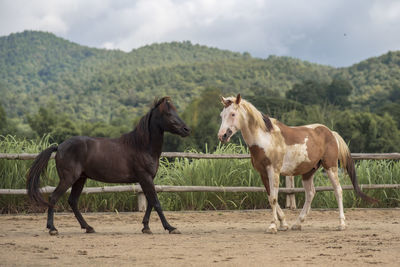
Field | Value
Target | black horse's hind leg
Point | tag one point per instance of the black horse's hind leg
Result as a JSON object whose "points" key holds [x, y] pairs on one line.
{"points": [[73, 202], [146, 219], [55, 196], [151, 196]]}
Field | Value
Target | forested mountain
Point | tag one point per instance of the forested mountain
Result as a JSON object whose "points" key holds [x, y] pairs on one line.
{"points": [[47, 81], [38, 68], [373, 78]]}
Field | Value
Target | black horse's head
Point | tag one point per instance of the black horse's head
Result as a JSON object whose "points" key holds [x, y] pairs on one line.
{"points": [[169, 119]]}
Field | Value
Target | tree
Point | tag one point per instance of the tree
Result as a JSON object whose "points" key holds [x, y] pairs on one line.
{"points": [[338, 92], [43, 122], [368, 132], [392, 109], [64, 130], [395, 93], [308, 93], [3, 120], [102, 129], [202, 116]]}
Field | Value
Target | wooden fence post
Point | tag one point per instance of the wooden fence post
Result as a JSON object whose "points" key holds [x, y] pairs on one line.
{"points": [[290, 198], [142, 202]]}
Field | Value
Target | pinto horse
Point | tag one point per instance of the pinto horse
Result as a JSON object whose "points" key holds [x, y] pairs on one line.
{"points": [[131, 158], [279, 149]]}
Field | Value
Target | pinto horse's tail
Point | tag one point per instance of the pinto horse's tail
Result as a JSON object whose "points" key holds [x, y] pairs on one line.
{"points": [[33, 177], [346, 161]]}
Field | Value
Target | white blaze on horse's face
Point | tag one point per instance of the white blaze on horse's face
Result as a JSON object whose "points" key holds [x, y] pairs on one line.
{"points": [[230, 121]]}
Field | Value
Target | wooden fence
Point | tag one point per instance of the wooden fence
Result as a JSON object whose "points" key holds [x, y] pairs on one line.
{"points": [[290, 190], [355, 156]]}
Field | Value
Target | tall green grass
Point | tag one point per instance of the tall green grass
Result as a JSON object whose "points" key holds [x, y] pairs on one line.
{"points": [[183, 171], [13, 172], [13, 176], [368, 172], [239, 172], [206, 172]]}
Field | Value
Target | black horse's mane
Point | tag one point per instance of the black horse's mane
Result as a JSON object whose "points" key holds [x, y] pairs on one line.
{"points": [[140, 136]]}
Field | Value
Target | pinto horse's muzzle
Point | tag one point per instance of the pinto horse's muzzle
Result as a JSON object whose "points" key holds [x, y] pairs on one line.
{"points": [[224, 138]]}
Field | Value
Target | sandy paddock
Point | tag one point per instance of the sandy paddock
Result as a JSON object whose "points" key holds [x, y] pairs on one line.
{"points": [[219, 238]]}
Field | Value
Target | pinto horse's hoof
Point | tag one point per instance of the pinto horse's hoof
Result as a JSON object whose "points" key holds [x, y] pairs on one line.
{"points": [[147, 231], [284, 227], [296, 227], [53, 232], [341, 227], [272, 229], [175, 232], [90, 230]]}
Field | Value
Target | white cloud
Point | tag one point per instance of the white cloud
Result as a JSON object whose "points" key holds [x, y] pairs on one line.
{"points": [[385, 12], [313, 30]]}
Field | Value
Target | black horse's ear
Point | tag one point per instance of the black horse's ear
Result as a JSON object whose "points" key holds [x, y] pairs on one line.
{"points": [[238, 99]]}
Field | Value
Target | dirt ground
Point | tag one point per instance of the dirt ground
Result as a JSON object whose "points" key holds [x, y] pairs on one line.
{"points": [[219, 238]]}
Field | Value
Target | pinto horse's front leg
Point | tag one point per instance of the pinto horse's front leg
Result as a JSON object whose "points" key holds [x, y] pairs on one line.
{"points": [[273, 198], [281, 216]]}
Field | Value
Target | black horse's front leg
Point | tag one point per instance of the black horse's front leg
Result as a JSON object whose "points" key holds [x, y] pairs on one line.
{"points": [[167, 226], [152, 200]]}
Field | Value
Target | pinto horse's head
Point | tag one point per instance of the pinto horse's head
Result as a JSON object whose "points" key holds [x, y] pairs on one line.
{"points": [[230, 123], [169, 119]]}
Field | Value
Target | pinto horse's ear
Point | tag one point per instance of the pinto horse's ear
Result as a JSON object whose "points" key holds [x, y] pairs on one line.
{"points": [[225, 102], [238, 99]]}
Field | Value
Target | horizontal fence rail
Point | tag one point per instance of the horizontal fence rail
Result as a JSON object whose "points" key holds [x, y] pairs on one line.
{"points": [[356, 156], [175, 189], [290, 190]]}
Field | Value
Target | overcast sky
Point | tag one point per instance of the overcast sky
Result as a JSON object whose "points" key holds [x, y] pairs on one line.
{"points": [[333, 32]]}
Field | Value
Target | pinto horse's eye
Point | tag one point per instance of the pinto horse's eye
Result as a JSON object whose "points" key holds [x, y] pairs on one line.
{"points": [[233, 115]]}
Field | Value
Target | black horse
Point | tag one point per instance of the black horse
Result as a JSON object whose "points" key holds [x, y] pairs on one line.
{"points": [[132, 158]]}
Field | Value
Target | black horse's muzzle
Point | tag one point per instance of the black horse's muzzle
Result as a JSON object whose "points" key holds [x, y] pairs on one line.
{"points": [[185, 131]]}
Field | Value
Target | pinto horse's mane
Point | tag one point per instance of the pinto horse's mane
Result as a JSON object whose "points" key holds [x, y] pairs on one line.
{"points": [[140, 136], [255, 118]]}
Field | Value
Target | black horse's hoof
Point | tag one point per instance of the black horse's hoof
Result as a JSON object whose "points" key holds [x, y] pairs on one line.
{"points": [[53, 232], [175, 232], [147, 231], [90, 230]]}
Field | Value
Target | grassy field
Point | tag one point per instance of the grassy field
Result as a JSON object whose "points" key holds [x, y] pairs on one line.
{"points": [[182, 171]]}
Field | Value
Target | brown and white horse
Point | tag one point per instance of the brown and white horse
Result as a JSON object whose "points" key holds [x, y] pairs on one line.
{"points": [[277, 149]]}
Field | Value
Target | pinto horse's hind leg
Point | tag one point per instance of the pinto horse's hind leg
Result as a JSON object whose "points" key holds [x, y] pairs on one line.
{"points": [[73, 202], [333, 176], [61, 188], [151, 196]]}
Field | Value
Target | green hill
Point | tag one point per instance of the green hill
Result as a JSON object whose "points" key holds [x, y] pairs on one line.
{"points": [[40, 69], [374, 77]]}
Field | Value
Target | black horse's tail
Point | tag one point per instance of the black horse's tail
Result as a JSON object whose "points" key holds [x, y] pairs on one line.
{"points": [[33, 177], [347, 162]]}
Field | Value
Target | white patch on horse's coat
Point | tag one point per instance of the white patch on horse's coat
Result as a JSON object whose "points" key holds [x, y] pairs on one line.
{"points": [[313, 126], [228, 122], [337, 142], [261, 138], [294, 156]]}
